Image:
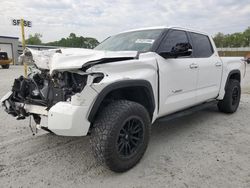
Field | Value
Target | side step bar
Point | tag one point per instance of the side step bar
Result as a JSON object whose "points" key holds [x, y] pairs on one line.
{"points": [[187, 111]]}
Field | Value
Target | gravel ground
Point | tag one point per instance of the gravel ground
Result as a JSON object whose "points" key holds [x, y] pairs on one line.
{"points": [[206, 149]]}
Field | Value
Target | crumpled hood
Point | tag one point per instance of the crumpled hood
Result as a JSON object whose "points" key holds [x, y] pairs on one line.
{"points": [[75, 58]]}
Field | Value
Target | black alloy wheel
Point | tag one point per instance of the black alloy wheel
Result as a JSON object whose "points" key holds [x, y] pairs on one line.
{"points": [[130, 137]]}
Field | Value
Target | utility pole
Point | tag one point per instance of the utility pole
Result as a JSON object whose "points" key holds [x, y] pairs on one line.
{"points": [[24, 45], [23, 34], [23, 23]]}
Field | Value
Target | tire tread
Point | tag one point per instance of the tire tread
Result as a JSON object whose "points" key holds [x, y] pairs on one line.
{"points": [[102, 131]]}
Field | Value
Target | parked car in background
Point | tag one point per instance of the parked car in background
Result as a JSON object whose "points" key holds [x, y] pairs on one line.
{"points": [[4, 60]]}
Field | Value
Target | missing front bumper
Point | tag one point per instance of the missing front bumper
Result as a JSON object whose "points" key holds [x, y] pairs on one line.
{"points": [[62, 119]]}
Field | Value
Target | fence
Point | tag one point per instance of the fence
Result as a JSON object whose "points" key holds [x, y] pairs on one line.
{"points": [[242, 52]]}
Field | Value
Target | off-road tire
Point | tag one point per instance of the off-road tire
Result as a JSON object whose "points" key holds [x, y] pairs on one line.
{"points": [[5, 66], [230, 102], [107, 131]]}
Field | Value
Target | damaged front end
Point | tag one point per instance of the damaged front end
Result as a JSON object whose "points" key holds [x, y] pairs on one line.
{"points": [[58, 103], [59, 87], [43, 90]]}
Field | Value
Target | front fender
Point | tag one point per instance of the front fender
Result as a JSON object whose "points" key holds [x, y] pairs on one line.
{"points": [[118, 85]]}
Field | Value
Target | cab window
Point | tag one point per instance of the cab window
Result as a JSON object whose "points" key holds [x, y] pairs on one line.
{"points": [[173, 39], [202, 45]]}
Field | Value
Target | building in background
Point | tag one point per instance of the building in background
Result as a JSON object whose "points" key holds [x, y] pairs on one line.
{"points": [[10, 45], [13, 47]]}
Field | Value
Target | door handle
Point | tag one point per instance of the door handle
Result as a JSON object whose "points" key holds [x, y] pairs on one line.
{"points": [[177, 91], [218, 64], [193, 66]]}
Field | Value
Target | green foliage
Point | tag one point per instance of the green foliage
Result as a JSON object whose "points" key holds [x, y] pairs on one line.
{"points": [[233, 40], [71, 41], [75, 41], [34, 39]]}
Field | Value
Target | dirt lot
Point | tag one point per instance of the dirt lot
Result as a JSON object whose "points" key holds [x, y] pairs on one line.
{"points": [[206, 149]]}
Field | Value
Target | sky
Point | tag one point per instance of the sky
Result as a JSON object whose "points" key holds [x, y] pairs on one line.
{"points": [[55, 19]]}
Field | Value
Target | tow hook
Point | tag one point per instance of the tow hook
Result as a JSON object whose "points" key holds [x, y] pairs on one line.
{"points": [[22, 113], [30, 125], [34, 130], [37, 119]]}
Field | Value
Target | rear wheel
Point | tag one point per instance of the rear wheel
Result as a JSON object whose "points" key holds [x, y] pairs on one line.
{"points": [[5, 66], [120, 135], [231, 100]]}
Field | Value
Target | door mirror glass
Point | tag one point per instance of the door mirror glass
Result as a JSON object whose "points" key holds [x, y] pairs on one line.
{"points": [[180, 49]]}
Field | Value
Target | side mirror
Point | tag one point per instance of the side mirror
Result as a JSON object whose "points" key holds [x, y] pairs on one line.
{"points": [[247, 60], [180, 49]]}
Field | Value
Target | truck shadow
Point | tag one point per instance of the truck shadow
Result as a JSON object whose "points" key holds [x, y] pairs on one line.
{"points": [[75, 152], [183, 124], [71, 158]]}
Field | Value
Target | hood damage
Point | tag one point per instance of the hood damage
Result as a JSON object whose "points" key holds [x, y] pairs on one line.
{"points": [[58, 75], [75, 58]]}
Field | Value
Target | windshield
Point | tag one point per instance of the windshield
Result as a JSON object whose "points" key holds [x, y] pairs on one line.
{"points": [[131, 41]]}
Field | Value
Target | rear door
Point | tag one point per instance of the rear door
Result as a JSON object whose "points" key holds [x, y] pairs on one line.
{"points": [[177, 76], [210, 67]]}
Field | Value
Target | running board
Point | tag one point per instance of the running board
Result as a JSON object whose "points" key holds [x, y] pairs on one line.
{"points": [[187, 111]]}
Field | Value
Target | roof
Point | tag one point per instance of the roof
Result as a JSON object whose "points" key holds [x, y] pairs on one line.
{"points": [[166, 27], [8, 37]]}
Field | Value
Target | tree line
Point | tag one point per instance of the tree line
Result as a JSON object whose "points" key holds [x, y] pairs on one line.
{"points": [[71, 41], [234, 40]]}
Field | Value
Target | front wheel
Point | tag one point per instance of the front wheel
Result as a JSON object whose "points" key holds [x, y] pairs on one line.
{"points": [[231, 100], [120, 135]]}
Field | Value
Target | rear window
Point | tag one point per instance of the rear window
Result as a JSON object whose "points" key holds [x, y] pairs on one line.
{"points": [[202, 45]]}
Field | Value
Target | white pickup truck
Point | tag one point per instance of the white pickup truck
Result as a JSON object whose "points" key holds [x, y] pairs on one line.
{"points": [[116, 91]]}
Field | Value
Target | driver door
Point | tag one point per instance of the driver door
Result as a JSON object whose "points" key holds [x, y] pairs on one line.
{"points": [[177, 75]]}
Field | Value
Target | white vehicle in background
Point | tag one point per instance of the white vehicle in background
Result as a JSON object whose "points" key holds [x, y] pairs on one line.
{"points": [[116, 91]]}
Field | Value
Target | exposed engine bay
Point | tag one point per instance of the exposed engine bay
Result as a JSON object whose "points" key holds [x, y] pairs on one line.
{"points": [[55, 77], [44, 90]]}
